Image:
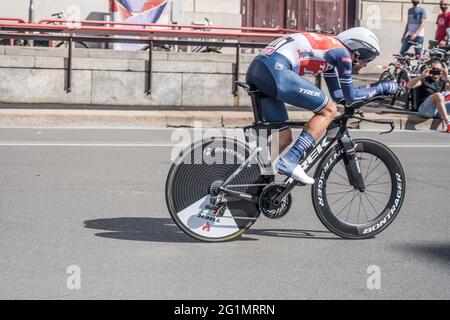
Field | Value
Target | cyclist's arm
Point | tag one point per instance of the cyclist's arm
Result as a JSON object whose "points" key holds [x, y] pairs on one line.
{"points": [[341, 60], [332, 81], [364, 92]]}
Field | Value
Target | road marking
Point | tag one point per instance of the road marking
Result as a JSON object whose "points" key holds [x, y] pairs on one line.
{"points": [[428, 145], [162, 144], [59, 144], [184, 128], [86, 145]]}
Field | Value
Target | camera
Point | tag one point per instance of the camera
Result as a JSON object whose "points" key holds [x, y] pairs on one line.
{"points": [[435, 72]]}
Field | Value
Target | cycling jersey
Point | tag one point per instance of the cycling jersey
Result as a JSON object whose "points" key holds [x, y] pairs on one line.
{"points": [[312, 53], [278, 71]]}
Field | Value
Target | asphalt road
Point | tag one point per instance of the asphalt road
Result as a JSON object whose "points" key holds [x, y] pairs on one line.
{"points": [[95, 199]]}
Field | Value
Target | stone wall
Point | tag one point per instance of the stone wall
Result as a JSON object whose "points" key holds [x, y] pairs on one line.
{"points": [[107, 77]]}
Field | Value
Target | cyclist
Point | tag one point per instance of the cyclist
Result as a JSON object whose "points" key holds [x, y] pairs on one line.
{"points": [[278, 73]]}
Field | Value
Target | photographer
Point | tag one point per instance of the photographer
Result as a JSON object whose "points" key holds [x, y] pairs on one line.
{"points": [[430, 87]]}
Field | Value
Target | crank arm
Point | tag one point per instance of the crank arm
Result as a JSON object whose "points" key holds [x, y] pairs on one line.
{"points": [[239, 195], [289, 185]]}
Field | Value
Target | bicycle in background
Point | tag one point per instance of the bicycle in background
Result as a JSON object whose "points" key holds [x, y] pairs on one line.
{"points": [[206, 48], [58, 44]]}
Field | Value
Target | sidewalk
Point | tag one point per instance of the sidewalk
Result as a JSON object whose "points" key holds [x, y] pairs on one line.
{"points": [[70, 116]]}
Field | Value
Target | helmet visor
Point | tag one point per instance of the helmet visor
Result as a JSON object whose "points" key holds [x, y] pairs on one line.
{"points": [[365, 55], [362, 50]]}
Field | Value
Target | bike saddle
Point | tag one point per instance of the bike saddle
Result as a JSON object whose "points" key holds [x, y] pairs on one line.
{"points": [[250, 88], [246, 86]]}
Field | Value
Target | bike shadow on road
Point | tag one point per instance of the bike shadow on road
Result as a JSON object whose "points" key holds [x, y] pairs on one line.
{"points": [[295, 233], [438, 252], [165, 230]]}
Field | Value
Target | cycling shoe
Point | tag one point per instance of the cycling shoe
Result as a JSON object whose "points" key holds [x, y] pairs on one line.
{"points": [[293, 170]]}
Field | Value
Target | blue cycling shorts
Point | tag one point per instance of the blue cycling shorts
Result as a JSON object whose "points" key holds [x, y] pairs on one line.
{"points": [[274, 77]]}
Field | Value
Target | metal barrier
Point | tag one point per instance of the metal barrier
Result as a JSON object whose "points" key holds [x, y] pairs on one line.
{"points": [[75, 28], [101, 32], [19, 20], [173, 26], [12, 19]]}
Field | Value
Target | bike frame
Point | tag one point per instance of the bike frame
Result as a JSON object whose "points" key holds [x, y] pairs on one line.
{"points": [[337, 131]]}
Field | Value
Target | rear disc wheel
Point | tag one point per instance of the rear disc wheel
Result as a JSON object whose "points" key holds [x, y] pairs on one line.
{"points": [[192, 185]]}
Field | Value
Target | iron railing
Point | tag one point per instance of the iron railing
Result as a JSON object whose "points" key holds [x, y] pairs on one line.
{"points": [[145, 33]]}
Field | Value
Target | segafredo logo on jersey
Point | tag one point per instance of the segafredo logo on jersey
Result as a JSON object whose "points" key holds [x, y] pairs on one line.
{"points": [[305, 54], [309, 92]]}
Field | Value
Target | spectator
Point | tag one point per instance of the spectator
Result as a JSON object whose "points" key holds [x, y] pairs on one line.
{"points": [[430, 88], [414, 29], [442, 22]]}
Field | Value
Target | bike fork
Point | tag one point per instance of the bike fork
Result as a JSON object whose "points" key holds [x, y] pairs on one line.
{"points": [[352, 166]]}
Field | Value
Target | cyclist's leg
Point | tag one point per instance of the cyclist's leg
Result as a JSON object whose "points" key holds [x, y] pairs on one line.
{"points": [[298, 91], [321, 120], [275, 111], [260, 75]]}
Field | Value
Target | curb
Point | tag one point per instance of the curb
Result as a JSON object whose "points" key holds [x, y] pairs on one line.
{"points": [[167, 119]]}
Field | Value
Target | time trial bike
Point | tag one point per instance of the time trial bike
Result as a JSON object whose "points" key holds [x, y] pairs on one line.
{"points": [[217, 188]]}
